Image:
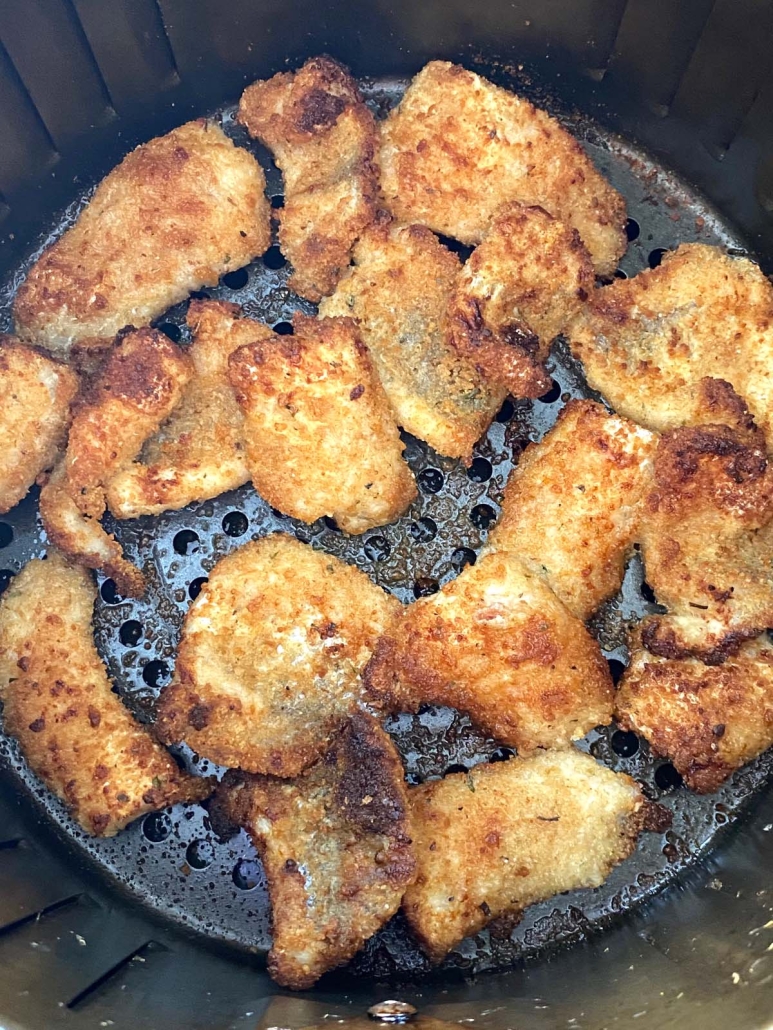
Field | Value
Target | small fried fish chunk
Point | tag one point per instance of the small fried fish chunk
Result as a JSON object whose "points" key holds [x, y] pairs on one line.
{"points": [[573, 505], [336, 847], [708, 720], [646, 342], [270, 658], [492, 841], [36, 395], [497, 644], [175, 215], [519, 289], [457, 148], [323, 138], [321, 436], [59, 704], [399, 290]]}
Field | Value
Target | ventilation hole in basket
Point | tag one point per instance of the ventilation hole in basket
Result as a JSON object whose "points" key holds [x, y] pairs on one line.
{"points": [[423, 530], [632, 230], [506, 412], [616, 669], [330, 524], [480, 470], [109, 592], [284, 328], [130, 633], [667, 778], [648, 593], [246, 874], [624, 743], [620, 274], [156, 827], [502, 754], [278, 200], [199, 854], [656, 256], [482, 515], [274, 258], [457, 767], [236, 280], [456, 247], [462, 557], [235, 523], [552, 395], [156, 673], [186, 542], [6, 534], [377, 548], [174, 332], [431, 480], [425, 587], [195, 585]]}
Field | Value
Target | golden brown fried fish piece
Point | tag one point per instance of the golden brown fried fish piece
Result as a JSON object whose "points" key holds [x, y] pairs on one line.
{"points": [[323, 138], [175, 215], [497, 644], [321, 436], [708, 720], [36, 394], [518, 290], [398, 290], [58, 703], [458, 147], [572, 507], [198, 453], [492, 841], [336, 847], [646, 342], [270, 658]]}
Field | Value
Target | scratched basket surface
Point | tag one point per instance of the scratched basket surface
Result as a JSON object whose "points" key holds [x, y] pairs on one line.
{"points": [[172, 861]]}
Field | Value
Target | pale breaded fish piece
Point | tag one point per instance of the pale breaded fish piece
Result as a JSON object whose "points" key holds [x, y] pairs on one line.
{"points": [[175, 215], [708, 720], [518, 290], [323, 138], [336, 847], [198, 452], [398, 290], [494, 840], [270, 657], [646, 342], [498, 645], [458, 147], [572, 507], [36, 396], [58, 703], [321, 437]]}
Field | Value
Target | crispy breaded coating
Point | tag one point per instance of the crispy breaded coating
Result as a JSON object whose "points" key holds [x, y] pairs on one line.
{"points": [[646, 342], [321, 437], [572, 506], [323, 138], [175, 215], [270, 658], [58, 703], [708, 720], [198, 453], [517, 291], [492, 841], [458, 147], [497, 644], [336, 847], [398, 290], [36, 395]]}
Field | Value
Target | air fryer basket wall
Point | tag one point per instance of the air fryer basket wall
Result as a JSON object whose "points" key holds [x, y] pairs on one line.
{"points": [[81, 81]]}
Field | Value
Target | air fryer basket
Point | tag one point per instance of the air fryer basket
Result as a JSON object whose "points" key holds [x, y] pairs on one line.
{"points": [[110, 933]]}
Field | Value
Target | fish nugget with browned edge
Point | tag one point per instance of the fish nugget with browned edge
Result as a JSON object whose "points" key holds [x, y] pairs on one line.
{"points": [[572, 507], [498, 645], [518, 290], [458, 147], [36, 396], [494, 840], [58, 703], [399, 289], [336, 847], [175, 215], [269, 663], [321, 437], [323, 138]]}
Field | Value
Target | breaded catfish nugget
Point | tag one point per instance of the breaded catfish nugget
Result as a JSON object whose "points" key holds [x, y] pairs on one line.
{"points": [[399, 290], [36, 395], [573, 505], [323, 138], [270, 658], [58, 703], [497, 644], [336, 848], [646, 342], [518, 290], [492, 841], [457, 148], [175, 215], [708, 720], [321, 436]]}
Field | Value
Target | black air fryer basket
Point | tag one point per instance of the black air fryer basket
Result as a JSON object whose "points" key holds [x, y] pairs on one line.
{"points": [[166, 926]]}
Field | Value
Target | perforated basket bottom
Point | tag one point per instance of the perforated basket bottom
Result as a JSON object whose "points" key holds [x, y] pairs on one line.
{"points": [[171, 861]]}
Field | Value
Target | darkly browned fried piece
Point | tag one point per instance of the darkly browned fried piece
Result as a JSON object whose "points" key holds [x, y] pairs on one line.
{"points": [[59, 704], [323, 138], [336, 847], [519, 289]]}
